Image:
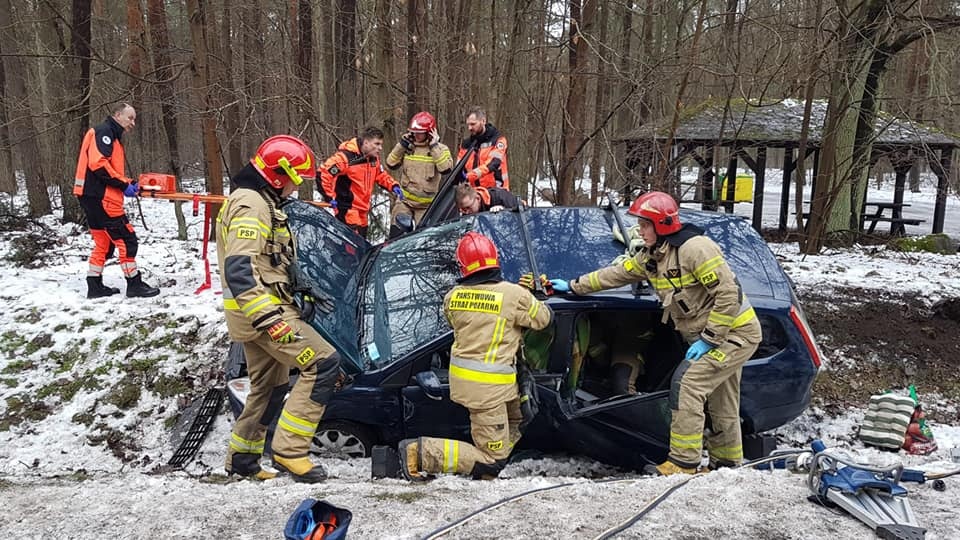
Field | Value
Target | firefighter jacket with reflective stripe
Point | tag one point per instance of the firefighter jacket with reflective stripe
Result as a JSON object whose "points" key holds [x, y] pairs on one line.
{"points": [[420, 170], [487, 166], [488, 320], [100, 167], [348, 177], [697, 288], [255, 250], [490, 197]]}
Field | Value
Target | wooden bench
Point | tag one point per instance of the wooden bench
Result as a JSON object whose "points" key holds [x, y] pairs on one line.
{"points": [[897, 224]]}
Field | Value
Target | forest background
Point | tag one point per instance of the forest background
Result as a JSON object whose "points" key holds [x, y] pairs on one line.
{"points": [[563, 80]]}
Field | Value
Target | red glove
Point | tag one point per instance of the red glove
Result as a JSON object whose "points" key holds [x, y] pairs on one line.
{"points": [[282, 332]]}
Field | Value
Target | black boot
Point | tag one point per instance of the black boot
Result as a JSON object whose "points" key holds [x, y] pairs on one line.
{"points": [[136, 287], [96, 288]]}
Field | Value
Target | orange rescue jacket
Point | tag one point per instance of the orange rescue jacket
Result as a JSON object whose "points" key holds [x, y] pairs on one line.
{"points": [[487, 167], [347, 177], [100, 173]]}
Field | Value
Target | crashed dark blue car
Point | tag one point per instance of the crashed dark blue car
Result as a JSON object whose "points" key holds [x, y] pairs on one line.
{"points": [[389, 327]]}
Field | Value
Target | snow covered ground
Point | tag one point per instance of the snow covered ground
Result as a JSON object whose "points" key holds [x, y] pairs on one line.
{"points": [[96, 385]]}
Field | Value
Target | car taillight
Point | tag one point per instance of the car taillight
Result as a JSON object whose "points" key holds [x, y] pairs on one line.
{"points": [[798, 319]]}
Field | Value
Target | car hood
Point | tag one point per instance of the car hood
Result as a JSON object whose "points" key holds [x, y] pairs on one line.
{"points": [[331, 256]]}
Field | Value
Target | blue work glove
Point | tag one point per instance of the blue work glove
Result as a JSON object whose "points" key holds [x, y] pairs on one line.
{"points": [[132, 189], [698, 349], [406, 141], [398, 192], [560, 285], [333, 204]]}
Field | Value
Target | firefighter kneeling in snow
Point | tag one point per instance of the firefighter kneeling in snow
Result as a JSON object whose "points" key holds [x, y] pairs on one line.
{"points": [[700, 293], [255, 250], [487, 315]]}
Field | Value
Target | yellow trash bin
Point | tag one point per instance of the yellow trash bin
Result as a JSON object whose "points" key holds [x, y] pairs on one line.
{"points": [[742, 192]]}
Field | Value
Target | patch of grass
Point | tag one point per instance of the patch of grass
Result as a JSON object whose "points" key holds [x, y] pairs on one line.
{"points": [[125, 394], [79, 475], [405, 497], [171, 421], [142, 365], [166, 386], [9, 382], [87, 323], [61, 327], [11, 341], [6, 485], [931, 243], [83, 418], [67, 359], [17, 366], [19, 408], [42, 341], [123, 342], [66, 389], [32, 316]]}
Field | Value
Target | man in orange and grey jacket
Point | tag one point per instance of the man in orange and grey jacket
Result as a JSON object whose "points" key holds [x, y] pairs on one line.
{"points": [[100, 185], [347, 178], [421, 159], [488, 316], [487, 166]]}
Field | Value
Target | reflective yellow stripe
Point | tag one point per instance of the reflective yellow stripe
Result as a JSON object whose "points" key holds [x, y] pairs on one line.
{"points": [[445, 155], [744, 318], [481, 376], [258, 303], [664, 283], [231, 304], [708, 266], [451, 455], [720, 318], [240, 444], [421, 158], [296, 425], [495, 341], [416, 198], [249, 222], [534, 309], [730, 452], [594, 279], [694, 441]]}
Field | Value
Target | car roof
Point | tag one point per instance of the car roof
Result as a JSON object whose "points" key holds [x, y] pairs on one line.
{"points": [[564, 242]]}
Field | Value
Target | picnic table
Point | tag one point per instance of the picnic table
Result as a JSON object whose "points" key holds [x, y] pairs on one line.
{"points": [[878, 214]]}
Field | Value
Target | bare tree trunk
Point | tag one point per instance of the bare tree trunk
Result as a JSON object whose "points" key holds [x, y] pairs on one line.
{"points": [[573, 126], [212, 162], [661, 178], [8, 180], [21, 115], [157, 19], [231, 111], [345, 54]]}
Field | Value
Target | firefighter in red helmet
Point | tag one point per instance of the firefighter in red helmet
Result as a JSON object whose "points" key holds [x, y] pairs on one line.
{"points": [[488, 316], [255, 249], [701, 295], [421, 159]]}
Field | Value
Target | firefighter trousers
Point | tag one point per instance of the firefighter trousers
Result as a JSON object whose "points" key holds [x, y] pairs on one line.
{"points": [[714, 379], [268, 364], [495, 431]]}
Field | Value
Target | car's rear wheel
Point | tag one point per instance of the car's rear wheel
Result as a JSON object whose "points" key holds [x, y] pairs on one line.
{"points": [[340, 439]]}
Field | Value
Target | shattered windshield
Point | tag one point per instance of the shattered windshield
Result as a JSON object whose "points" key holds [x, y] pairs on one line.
{"points": [[404, 288]]}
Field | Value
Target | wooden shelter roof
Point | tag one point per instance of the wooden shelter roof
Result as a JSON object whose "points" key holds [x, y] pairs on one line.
{"points": [[778, 124]]}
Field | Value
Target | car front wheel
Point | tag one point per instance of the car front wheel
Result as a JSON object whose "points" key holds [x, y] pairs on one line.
{"points": [[343, 440]]}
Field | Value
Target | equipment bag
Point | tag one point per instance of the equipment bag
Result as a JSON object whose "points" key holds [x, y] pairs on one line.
{"points": [[886, 420], [317, 520]]}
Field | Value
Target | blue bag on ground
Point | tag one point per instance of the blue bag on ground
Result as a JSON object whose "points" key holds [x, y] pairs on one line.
{"points": [[317, 520]]}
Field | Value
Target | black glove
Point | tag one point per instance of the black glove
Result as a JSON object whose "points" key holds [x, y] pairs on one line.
{"points": [[529, 399], [406, 141]]}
